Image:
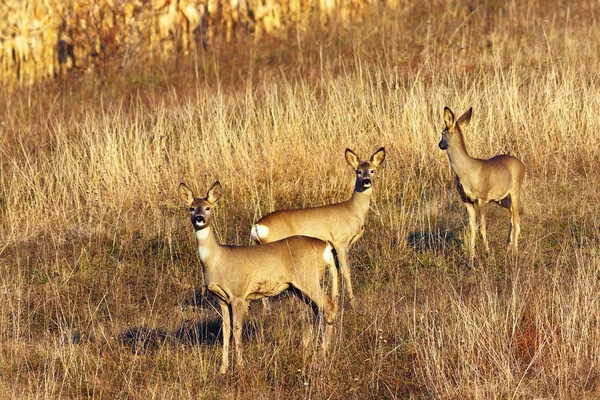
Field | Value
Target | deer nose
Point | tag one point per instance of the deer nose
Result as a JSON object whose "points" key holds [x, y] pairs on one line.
{"points": [[367, 181], [199, 219], [443, 145]]}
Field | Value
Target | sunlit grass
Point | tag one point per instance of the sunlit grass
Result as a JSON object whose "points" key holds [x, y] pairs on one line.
{"points": [[98, 271]]}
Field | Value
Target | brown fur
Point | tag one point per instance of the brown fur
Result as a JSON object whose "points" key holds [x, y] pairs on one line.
{"points": [[235, 274], [342, 223], [479, 182]]}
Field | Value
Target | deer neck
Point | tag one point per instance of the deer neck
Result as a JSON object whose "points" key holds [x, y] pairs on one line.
{"points": [[461, 162], [360, 201], [208, 248]]}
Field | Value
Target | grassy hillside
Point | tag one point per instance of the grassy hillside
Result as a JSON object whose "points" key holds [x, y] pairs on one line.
{"points": [[99, 275]]}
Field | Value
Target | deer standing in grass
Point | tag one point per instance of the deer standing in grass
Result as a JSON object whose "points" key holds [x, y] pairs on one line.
{"points": [[482, 181], [342, 224], [235, 275]]}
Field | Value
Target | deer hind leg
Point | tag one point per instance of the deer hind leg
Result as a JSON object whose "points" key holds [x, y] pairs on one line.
{"points": [[482, 226], [334, 296], [472, 227], [238, 308], [327, 309], [225, 315], [515, 224]]}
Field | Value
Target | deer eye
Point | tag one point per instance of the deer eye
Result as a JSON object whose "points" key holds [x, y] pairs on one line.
{"points": [[359, 172], [372, 171], [207, 209], [191, 209]]}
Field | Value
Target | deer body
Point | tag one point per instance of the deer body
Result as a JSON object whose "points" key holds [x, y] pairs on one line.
{"points": [[235, 274], [345, 221], [479, 182], [342, 224], [275, 266]]}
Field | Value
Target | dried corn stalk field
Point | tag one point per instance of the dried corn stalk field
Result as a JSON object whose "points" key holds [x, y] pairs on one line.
{"points": [[40, 39]]}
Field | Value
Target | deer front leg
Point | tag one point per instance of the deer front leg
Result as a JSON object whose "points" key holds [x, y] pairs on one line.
{"points": [[238, 308], [226, 319], [472, 227], [482, 228], [357, 236], [342, 255], [266, 306]]}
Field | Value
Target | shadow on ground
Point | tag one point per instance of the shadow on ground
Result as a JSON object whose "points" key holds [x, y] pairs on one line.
{"points": [[438, 240], [191, 332]]}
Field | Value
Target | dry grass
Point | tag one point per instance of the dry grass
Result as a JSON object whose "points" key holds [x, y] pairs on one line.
{"points": [[98, 271]]}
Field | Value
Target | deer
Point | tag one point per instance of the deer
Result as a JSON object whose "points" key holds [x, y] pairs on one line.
{"points": [[480, 182], [342, 224], [237, 274]]}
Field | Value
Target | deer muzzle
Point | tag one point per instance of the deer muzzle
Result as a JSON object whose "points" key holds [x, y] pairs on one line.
{"points": [[198, 220]]}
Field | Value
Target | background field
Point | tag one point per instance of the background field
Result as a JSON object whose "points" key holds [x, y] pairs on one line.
{"points": [[99, 278]]}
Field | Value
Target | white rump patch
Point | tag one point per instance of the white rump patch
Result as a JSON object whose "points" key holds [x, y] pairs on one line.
{"points": [[259, 232], [327, 254]]}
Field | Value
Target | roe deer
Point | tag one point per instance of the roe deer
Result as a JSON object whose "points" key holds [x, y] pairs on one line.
{"points": [[235, 275], [482, 181], [342, 223]]}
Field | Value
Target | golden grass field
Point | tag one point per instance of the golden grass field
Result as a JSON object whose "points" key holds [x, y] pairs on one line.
{"points": [[99, 276]]}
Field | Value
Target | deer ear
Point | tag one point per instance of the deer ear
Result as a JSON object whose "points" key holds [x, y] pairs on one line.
{"points": [[352, 159], [214, 193], [448, 117], [378, 157], [464, 119], [186, 194]]}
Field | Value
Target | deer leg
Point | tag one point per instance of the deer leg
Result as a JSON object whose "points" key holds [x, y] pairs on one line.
{"points": [[515, 224], [472, 226], [328, 334], [342, 255], [482, 228], [226, 335], [238, 308], [333, 302], [327, 308], [334, 282], [265, 304], [357, 236]]}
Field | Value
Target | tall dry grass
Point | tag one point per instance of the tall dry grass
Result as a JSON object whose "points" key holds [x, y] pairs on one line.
{"points": [[98, 273]]}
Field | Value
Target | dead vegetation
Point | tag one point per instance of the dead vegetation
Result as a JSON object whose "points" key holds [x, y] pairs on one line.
{"points": [[43, 39], [99, 290]]}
